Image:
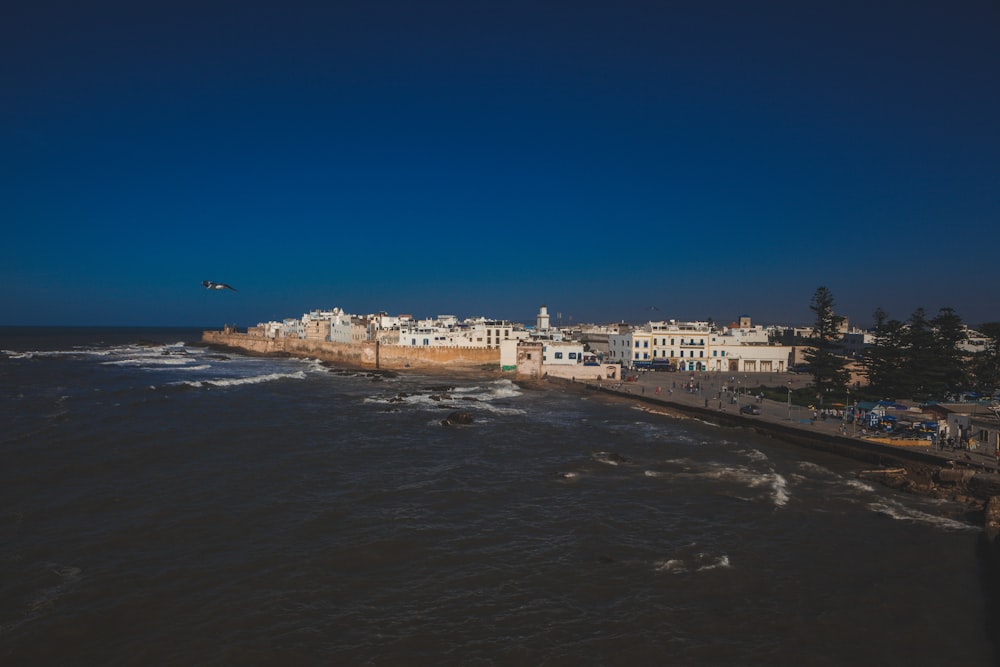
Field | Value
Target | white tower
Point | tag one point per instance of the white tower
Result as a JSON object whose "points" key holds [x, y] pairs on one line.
{"points": [[542, 321]]}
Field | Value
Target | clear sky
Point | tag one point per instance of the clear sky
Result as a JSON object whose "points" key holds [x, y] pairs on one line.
{"points": [[483, 157]]}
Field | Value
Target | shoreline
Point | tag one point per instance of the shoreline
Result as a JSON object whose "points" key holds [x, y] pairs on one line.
{"points": [[954, 475], [964, 479], [934, 473]]}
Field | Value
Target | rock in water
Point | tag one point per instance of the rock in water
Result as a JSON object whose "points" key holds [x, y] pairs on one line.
{"points": [[993, 518], [457, 418]]}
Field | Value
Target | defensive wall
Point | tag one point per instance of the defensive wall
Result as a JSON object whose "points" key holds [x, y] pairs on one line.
{"points": [[364, 354]]}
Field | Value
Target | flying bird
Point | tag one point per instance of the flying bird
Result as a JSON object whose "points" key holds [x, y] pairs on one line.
{"points": [[210, 285]]}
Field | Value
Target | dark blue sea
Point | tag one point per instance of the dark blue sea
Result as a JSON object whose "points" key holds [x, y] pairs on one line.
{"points": [[166, 504]]}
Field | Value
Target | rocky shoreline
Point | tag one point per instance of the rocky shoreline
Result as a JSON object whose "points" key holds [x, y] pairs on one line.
{"points": [[904, 469]]}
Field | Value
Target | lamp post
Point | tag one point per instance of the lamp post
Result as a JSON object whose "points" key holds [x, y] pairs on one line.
{"points": [[847, 404], [789, 400]]}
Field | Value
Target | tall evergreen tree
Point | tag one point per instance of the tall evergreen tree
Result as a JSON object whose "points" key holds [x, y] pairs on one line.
{"points": [[947, 374], [986, 363], [884, 360], [921, 356], [827, 366]]}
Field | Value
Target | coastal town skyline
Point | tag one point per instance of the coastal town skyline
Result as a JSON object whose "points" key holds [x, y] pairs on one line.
{"points": [[629, 162]]}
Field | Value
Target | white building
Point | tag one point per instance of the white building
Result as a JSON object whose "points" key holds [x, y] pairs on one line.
{"points": [[665, 345], [696, 346], [562, 353], [479, 333]]}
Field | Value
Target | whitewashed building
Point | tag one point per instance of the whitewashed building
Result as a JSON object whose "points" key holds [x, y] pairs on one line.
{"points": [[562, 353], [696, 346]]}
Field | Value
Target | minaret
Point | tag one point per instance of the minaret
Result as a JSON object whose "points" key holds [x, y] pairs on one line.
{"points": [[542, 321]]}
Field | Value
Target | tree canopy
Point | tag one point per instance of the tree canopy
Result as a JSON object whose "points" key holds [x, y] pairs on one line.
{"points": [[826, 362]]}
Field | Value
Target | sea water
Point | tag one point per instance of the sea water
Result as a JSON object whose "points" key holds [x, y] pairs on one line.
{"points": [[166, 504]]}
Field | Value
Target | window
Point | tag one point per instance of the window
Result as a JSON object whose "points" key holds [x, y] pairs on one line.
{"points": [[645, 343], [637, 343], [636, 355], [558, 355], [426, 342], [715, 353], [682, 353], [572, 355], [701, 353], [645, 355]]}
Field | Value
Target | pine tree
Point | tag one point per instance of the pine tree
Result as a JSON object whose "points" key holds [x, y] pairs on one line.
{"points": [[921, 357], [827, 366], [947, 374], [884, 360], [986, 364]]}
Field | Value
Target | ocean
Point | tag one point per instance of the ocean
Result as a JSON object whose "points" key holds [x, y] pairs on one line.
{"points": [[166, 504]]}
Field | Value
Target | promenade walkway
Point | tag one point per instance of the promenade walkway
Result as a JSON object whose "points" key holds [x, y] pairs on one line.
{"points": [[711, 397]]}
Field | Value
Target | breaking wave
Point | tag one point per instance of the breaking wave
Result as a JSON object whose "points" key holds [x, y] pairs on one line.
{"points": [[699, 562], [235, 382], [899, 512]]}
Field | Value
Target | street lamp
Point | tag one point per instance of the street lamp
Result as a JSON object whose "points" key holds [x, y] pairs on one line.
{"points": [[789, 400], [847, 404]]}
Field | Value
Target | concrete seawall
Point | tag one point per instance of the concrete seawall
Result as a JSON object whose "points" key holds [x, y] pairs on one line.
{"points": [[364, 354], [923, 464]]}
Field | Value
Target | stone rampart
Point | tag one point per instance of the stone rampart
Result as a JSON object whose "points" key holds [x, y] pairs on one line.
{"points": [[401, 356], [364, 354]]}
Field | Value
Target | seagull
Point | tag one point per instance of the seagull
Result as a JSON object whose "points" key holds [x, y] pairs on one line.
{"points": [[210, 285]]}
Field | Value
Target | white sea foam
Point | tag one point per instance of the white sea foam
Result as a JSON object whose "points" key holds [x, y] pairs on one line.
{"points": [[609, 458], [754, 454], [504, 389], [158, 360], [719, 562], [474, 398], [672, 565], [900, 512], [859, 485], [499, 409], [780, 490], [699, 562], [235, 382], [776, 483]]}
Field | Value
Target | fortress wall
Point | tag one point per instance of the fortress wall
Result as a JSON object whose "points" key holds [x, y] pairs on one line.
{"points": [[366, 354], [398, 356]]}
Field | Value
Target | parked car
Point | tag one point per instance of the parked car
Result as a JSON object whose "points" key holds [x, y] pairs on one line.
{"points": [[750, 409]]}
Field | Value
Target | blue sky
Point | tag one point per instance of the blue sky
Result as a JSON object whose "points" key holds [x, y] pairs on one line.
{"points": [[485, 157]]}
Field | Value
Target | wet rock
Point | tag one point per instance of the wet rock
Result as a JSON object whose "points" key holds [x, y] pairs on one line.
{"points": [[456, 418], [955, 475], [993, 518]]}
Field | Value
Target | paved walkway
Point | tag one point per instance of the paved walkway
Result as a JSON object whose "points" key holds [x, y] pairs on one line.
{"points": [[672, 391]]}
